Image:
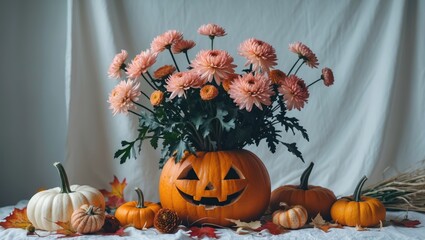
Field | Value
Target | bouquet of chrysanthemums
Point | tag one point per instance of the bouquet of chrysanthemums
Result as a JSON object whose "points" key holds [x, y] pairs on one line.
{"points": [[207, 106]]}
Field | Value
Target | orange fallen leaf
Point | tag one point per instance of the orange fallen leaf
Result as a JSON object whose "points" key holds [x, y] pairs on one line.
{"points": [[17, 219], [115, 197], [66, 229], [320, 223]]}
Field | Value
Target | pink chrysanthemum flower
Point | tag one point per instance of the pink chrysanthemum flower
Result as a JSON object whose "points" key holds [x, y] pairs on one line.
{"points": [[114, 70], [327, 76], [179, 82], [248, 90], [294, 92], [165, 40], [140, 64], [212, 30], [182, 46], [305, 53], [217, 64], [258, 53], [123, 95]]}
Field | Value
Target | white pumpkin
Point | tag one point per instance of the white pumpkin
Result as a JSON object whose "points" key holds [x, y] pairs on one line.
{"points": [[57, 204]]}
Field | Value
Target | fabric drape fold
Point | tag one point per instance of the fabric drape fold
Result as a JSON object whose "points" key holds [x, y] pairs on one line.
{"points": [[370, 122]]}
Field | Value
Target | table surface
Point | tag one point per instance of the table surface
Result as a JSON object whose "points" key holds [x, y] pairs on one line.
{"points": [[388, 232]]}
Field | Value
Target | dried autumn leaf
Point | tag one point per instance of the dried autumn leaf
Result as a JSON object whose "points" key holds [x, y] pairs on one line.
{"points": [[66, 229], [360, 228], [406, 223], [117, 188], [271, 227], [251, 225], [17, 219], [203, 231], [326, 227], [115, 197], [318, 221]]}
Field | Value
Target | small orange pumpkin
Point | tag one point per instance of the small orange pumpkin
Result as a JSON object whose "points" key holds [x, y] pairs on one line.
{"points": [[139, 214], [358, 210], [293, 217], [87, 219], [315, 199]]}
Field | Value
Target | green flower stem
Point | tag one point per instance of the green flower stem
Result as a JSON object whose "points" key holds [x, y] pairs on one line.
{"points": [[64, 178], [212, 42], [144, 94], [135, 113], [299, 67], [150, 84], [197, 137], [358, 191], [174, 60], [314, 82], [187, 57], [293, 66], [140, 105], [140, 198]]}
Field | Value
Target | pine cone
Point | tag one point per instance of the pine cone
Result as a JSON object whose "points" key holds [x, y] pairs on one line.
{"points": [[166, 221]]}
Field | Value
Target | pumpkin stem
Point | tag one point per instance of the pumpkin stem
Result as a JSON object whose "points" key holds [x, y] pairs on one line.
{"points": [[284, 206], [140, 198], [305, 176], [90, 210], [64, 179], [358, 191]]}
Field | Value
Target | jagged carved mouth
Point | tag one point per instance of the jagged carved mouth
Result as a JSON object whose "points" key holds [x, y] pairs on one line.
{"points": [[211, 202]]}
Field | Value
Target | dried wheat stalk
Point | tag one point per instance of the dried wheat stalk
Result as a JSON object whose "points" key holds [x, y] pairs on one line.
{"points": [[403, 192]]}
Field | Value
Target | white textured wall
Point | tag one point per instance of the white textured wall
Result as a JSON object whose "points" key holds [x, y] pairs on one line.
{"points": [[32, 96]]}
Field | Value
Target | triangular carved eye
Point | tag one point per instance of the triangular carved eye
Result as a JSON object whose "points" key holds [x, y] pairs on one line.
{"points": [[232, 174], [188, 174]]}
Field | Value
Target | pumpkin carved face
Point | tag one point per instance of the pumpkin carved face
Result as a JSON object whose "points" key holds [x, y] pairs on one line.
{"points": [[216, 185]]}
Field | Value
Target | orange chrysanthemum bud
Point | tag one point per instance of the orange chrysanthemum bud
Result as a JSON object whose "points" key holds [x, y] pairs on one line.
{"points": [[277, 76], [208, 92], [156, 98], [164, 71]]}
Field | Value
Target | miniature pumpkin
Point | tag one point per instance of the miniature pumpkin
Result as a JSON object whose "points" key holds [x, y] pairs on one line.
{"points": [[139, 214], [293, 217], [315, 199], [87, 219], [214, 186], [358, 210], [57, 204]]}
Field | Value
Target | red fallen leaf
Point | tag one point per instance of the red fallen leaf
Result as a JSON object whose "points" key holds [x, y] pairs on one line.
{"points": [[115, 197], [406, 223], [271, 227], [66, 230], [17, 219], [120, 232], [203, 231]]}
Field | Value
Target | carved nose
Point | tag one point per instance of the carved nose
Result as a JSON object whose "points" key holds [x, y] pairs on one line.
{"points": [[209, 186]]}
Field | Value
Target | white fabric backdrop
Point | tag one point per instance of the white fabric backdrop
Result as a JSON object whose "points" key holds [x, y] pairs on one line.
{"points": [[370, 122]]}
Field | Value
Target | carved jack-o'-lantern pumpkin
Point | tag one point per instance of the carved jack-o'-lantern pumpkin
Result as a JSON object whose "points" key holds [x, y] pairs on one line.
{"points": [[214, 186]]}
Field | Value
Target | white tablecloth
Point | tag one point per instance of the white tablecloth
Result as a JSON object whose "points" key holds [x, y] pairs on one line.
{"points": [[388, 232]]}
